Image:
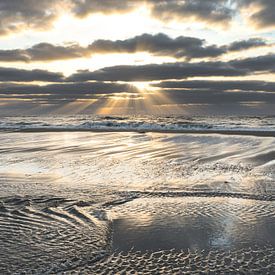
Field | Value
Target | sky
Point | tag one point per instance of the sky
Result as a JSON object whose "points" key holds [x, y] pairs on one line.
{"points": [[187, 57]]}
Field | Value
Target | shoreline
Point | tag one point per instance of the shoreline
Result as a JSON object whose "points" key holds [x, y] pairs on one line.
{"points": [[187, 131]]}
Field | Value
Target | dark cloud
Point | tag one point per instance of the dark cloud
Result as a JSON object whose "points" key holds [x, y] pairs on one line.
{"points": [[263, 16], [20, 75], [179, 70], [212, 93], [213, 11], [85, 7], [65, 92], [218, 97], [209, 11], [219, 85], [246, 44], [158, 72], [43, 52], [256, 64], [72, 89], [16, 15], [150, 72], [158, 44], [217, 11]]}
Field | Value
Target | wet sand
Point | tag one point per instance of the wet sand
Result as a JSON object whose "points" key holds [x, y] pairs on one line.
{"points": [[247, 132], [101, 203]]}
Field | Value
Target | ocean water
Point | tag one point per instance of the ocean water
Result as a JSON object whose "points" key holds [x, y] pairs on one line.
{"points": [[105, 195], [140, 123]]}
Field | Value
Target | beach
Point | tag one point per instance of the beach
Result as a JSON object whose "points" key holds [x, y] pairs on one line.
{"points": [[106, 202]]}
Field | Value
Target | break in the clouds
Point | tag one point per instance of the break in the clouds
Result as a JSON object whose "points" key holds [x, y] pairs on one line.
{"points": [[159, 45]]}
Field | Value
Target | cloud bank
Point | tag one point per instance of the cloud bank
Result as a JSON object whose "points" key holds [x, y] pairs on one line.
{"points": [[158, 44]]}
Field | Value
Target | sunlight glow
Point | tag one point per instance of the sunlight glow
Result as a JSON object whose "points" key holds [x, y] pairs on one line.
{"points": [[141, 86]]}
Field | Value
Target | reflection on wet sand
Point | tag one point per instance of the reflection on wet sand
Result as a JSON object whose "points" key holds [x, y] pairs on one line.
{"points": [[83, 202], [138, 161], [192, 224]]}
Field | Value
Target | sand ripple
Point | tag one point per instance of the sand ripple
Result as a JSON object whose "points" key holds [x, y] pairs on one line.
{"points": [[38, 237], [138, 234]]}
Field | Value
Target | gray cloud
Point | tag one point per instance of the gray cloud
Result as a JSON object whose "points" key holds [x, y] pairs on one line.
{"points": [[255, 64], [85, 7], [219, 85], [150, 72], [64, 93], [213, 11], [79, 96], [179, 70], [158, 44], [44, 52], [264, 15], [158, 72], [246, 44], [212, 93], [72, 90], [29, 14], [20, 75]]}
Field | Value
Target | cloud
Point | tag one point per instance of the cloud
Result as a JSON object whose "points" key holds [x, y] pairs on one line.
{"points": [[20, 75], [255, 86], [262, 15], [216, 97], [56, 93], [212, 93], [17, 15], [44, 52], [220, 12], [85, 7], [152, 72], [72, 89], [212, 11], [179, 70], [158, 44], [256, 64], [246, 44]]}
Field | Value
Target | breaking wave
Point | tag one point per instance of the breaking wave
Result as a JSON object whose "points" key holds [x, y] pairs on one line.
{"points": [[235, 125]]}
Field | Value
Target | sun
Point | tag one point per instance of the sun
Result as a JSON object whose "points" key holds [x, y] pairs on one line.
{"points": [[141, 86]]}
